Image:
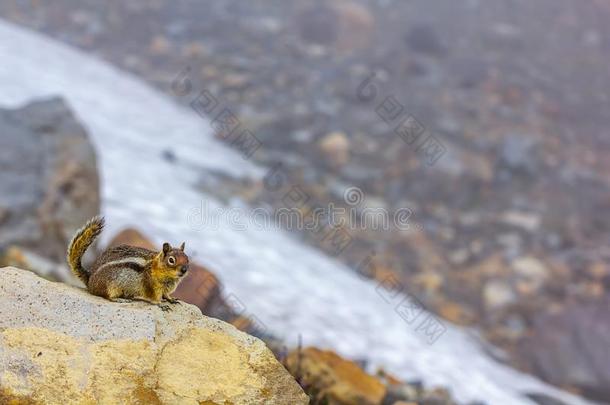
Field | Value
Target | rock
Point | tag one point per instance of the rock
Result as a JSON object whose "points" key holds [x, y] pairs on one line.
{"points": [[492, 266], [200, 287], [59, 344], [336, 148], [512, 244], [19, 257], [343, 24], [478, 166], [541, 399], [159, 46], [570, 348], [436, 396], [459, 257], [330, 377], [356, 25], [131, 237], [518, 153], [526, 221], [423, 38], [48, 176], [456, 313], [531, 272], [470, 72], [429, 281], [169, 156], [400, 393], [235, 81], [498, 294], [598, 270], [3, 214], [506, 35], [318, 24], [194, 49]]}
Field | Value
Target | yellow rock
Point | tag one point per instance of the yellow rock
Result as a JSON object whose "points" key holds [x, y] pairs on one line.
{"points": [[60, 345], [336, 148], [338, 381]]}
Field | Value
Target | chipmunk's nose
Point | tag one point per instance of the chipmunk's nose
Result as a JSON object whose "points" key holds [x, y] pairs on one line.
{"points": [[184, 269]]}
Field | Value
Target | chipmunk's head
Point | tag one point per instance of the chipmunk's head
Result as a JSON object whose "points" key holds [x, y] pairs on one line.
{"points": [[175, 260]]}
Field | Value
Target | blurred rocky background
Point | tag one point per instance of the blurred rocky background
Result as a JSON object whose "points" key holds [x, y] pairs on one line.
{"points": [[50, 185], [513, 216], [49, 182]]}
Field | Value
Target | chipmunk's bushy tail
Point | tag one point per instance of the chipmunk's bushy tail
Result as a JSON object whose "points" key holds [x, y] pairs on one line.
{"points": [[79, 245]]}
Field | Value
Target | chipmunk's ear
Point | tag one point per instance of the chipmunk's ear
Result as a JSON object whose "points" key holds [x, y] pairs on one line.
{"points": [[166, 248], [182, 246]]}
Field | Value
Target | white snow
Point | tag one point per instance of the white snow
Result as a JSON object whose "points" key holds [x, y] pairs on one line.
{"points": [[293, 289]]}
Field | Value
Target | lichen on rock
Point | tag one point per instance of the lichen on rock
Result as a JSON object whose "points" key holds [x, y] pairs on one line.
{"points": [[59, 344], [334, 380]]}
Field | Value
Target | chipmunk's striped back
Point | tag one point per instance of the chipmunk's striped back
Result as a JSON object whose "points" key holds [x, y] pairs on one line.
{"points": [[122, 271], [128, 272], [135, 258]]}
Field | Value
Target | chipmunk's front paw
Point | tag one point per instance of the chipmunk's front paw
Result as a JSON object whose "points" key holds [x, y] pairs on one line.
{"points": [[172, 300], [164, 307]]}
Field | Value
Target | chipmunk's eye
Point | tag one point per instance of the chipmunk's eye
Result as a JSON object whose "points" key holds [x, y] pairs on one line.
{"points": [[171, 260]]}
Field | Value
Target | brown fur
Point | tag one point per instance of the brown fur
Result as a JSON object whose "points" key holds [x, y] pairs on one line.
{"points": [[80, 243], [128, 272]]}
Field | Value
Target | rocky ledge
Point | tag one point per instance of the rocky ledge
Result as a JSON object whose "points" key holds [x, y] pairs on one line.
{"points": [[59, 344]]}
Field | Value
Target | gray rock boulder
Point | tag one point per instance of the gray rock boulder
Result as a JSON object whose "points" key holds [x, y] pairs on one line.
{"points": [[571, 348], [48, 178], [59, 344]]}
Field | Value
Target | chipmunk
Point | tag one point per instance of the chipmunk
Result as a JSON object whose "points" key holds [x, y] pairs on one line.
{"points": [[125, 272]]}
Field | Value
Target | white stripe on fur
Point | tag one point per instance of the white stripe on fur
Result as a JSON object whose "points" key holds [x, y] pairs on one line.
{"points": [[140, 261]]}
